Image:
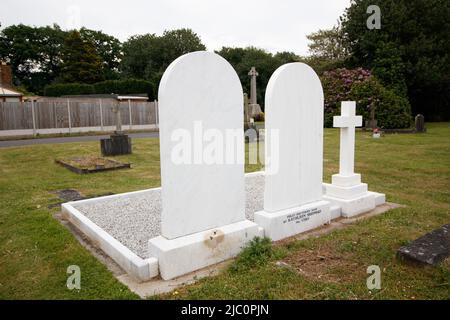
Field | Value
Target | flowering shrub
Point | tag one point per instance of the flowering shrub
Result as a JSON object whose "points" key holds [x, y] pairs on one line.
{"points": [[391, 110]]}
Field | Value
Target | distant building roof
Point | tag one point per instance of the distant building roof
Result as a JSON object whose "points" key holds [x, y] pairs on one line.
{"points": [[142, 96], [8, 92]]}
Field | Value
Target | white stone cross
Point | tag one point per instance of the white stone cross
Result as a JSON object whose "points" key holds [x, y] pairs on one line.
{"points": [[347, 121], [253, 74]]}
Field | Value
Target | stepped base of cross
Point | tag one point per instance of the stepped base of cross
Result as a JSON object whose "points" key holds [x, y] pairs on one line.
{"points": [[352, 196], [185, 254]]}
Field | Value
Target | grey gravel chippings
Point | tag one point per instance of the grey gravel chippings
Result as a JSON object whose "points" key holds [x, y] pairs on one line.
{"points": [[134, 220]]}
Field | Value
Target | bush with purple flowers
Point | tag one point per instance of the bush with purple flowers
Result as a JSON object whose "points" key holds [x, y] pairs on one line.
{"points": [[391, 110]]}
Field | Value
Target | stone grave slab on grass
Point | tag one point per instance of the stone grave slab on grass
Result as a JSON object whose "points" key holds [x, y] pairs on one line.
{"points": [[91, 164], [431, 249]]}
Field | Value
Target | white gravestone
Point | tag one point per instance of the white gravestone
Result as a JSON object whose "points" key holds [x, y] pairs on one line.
{"points": [[294, 109], [202, 165], [346, 189]]}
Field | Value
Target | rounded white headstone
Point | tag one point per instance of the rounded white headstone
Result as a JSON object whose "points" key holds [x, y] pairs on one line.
{"points": [[294, 137], [200, 100]]}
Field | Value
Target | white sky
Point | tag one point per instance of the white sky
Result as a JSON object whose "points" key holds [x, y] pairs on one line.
{"points": [[276, 25]]}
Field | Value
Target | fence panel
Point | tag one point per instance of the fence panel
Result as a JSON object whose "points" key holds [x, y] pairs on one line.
{"points": [[83, 113]]}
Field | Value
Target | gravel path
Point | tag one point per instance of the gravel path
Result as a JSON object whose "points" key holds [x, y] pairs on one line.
{"points": [[136, 219]]}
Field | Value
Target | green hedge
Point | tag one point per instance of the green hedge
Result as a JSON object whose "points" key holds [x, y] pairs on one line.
{"points": [[128, 86], [61, 89]]}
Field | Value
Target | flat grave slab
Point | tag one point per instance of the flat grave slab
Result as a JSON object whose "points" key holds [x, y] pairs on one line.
{"points": [[431, 249], [91, 164]]}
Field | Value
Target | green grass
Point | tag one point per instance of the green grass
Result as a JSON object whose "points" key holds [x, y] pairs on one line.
{"points": [[35, 249]]}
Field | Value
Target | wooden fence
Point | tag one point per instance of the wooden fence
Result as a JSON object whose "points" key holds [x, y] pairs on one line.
{"points": [[67, 115]]}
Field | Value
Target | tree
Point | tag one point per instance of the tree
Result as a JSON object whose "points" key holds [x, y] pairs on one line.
{"points": [[34, 54], [81, 63], [179, 42], [147, 56], [327, 50], [142, 57], [242, 59], [410, 53], [108, 48]]}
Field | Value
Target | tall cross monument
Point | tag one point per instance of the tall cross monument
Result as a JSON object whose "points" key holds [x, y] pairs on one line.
{"points": [[346, 189], [347, 121], [253, 74]]}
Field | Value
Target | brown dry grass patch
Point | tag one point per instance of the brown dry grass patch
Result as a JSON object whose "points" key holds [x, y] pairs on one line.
{"points": [[326, 264]]}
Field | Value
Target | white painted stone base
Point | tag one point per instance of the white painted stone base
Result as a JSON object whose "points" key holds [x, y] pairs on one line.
{"points": [[353, 200], [380, 198], [185, 254], [353, 207], [289, 222]]}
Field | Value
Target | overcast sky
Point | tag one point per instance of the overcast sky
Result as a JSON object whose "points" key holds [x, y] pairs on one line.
{"points": [[275, 25]]}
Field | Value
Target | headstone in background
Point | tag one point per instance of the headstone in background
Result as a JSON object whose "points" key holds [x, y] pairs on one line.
{"points": [[203, 204], [420, 123], [372, 123], [346, 189], [119, 143], [294, 153]]}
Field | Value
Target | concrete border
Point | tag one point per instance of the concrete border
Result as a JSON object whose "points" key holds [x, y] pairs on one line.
{"points": [[140, 269]]}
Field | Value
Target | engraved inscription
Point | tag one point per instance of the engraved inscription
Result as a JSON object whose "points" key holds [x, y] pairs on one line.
{"points": [[302, 216]]}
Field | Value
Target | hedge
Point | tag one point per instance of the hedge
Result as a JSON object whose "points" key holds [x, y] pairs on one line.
{"points": [[60, 89], [392, 111], [127, 86]]}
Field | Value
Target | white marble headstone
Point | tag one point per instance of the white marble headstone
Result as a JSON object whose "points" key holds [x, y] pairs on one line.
{"points": [[200, 99], [294, 117]]}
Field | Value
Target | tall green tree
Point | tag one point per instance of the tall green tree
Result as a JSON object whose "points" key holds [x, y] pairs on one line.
{"points": [[327, 50], [34, 54], [410, 53], [81, 63], [147, 56], [108, 48], [242, 59]]}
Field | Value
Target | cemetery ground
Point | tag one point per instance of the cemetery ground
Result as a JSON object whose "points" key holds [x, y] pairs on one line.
{"points": [[411, 169]]}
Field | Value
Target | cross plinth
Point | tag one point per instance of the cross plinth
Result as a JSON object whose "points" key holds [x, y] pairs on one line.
{"points": [[347, 121]]}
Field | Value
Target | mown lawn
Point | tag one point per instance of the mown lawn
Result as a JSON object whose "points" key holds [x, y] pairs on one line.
{"points": [[414, 170]]}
